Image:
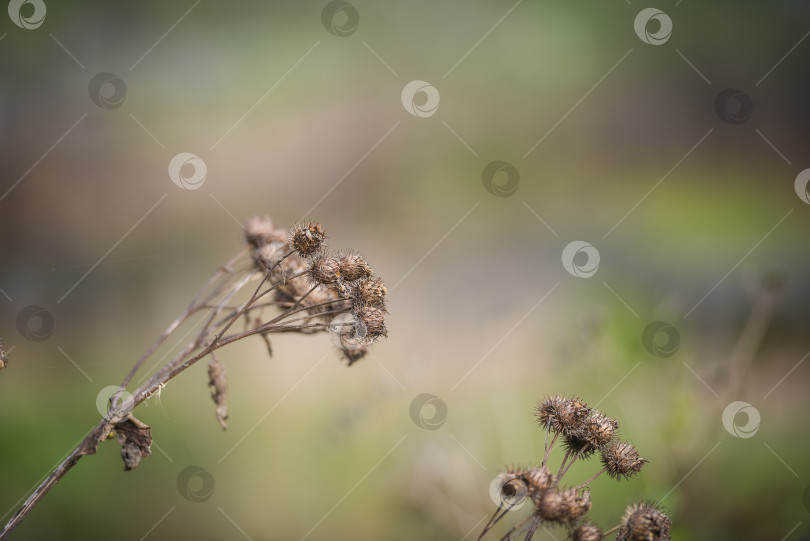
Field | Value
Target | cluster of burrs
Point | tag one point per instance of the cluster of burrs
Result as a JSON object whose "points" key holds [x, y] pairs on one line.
{"points": [[584, 432], [337, 289]]}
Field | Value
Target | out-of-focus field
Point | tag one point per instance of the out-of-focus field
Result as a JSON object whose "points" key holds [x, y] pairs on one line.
{"points": [[617, 143]]}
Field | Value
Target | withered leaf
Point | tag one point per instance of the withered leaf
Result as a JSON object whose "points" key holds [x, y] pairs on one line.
{"points": [[218, 381], [135, 438]]}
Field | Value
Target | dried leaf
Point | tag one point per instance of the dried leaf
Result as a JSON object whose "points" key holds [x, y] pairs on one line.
{"points": [[135, 438], [266, 337], [217, 380]]}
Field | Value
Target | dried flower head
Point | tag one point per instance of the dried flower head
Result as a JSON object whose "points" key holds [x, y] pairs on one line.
{"points": [[370, 292], [307, 238], [259, 231], [582, 431], [599, 429], [621, 459], [644, 522], [586, 532], [373, 319], [538, 480], [562, 507], [353, 267], [324, 269], [266, 256], [562, 415]]}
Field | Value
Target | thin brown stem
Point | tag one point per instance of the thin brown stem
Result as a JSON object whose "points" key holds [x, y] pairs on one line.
{"points": [[579, 454], [193, 307], [516, 529], [610, 531], [562, 465], [589, 481], [548, 449], [532, 528], [492, 521]]}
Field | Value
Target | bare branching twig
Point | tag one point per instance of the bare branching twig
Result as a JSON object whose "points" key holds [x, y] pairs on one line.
{"points": [[317, 291]]}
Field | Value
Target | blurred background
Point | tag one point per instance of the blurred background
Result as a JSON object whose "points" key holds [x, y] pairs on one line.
{"points": [[671, 143]]}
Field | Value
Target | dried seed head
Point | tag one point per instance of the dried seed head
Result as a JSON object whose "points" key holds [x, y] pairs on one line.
{"points": [[370, 292], [563, 507], [550, 505], [562, 415], [353, 267], [578, 446], [373, 319], [324, 269], [259, 231], [576, 506], [266, 256], [586, 532], [307, 238], [621, 459], [599, 429], [644, 522], [538, 480]]}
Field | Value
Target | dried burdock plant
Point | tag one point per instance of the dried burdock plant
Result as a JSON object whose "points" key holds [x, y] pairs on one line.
{"points": [[583, 432], [301, 287]]}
